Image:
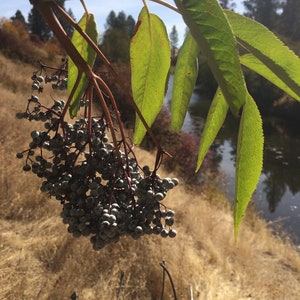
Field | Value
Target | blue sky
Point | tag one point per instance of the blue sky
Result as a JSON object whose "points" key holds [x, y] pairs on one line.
{"points": [[101, 9]]}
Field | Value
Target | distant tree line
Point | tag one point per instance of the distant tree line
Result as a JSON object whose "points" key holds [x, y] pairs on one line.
{"points": [[37, 26], [115, 41], [281, 16]]}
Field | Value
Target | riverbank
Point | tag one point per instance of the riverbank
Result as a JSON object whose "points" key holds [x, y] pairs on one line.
{"points": [[277, 194], [41, 260]]}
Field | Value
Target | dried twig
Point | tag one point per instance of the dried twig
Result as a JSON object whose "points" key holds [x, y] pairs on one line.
{"points": [[121, 282], [165, 270]]}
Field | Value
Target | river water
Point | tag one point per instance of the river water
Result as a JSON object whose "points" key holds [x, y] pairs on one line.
{"points": [[277, 197]]}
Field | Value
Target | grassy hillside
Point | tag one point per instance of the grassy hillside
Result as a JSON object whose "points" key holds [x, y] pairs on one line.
{"points": [[40, 260]]}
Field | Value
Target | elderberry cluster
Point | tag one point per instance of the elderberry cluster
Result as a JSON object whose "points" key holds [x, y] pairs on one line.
{"points": [[105, 194], [57, 82], [58, 79]]}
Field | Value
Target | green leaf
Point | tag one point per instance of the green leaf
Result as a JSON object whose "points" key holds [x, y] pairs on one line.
{"points": [[150, 64], [249, 159], [210, 28], [266, 47], [254, 64], [87, 23], [215, 119], [186, 72]]}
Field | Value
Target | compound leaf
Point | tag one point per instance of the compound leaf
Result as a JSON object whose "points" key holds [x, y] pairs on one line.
{"points": [[210, 28], [266, 47]]}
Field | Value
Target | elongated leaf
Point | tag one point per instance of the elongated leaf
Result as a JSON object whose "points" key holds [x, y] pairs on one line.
{"points": [[210, 28], [150, 64], [87, 23], [249, 159], [186, 72], [215, 119], [254, 64], [266, 47]]}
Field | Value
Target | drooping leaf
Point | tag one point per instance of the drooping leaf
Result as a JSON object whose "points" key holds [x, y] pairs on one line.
{"points": [[215, 119], [266, 47], [254, 64], [150, 64], [185, 76], [87, 23], [248, 160], [210, 28]]}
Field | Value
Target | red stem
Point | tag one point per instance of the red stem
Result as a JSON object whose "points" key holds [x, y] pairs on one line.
{"points": [[108, 64], [46, 10]]}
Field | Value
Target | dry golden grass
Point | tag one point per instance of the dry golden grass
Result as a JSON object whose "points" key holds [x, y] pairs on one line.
{"points": [[40, 260]]}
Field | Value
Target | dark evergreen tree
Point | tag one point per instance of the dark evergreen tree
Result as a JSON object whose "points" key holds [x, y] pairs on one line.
{"points": [[130, 25], [38, 26], [67, 27], [290, 20], [116, 40], [111, 20], [263, 11], [174, 44], [120, 22], [18, 17], [174, 38]]}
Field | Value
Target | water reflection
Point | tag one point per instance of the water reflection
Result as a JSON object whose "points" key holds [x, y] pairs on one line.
{"points": [[278, 193]]}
